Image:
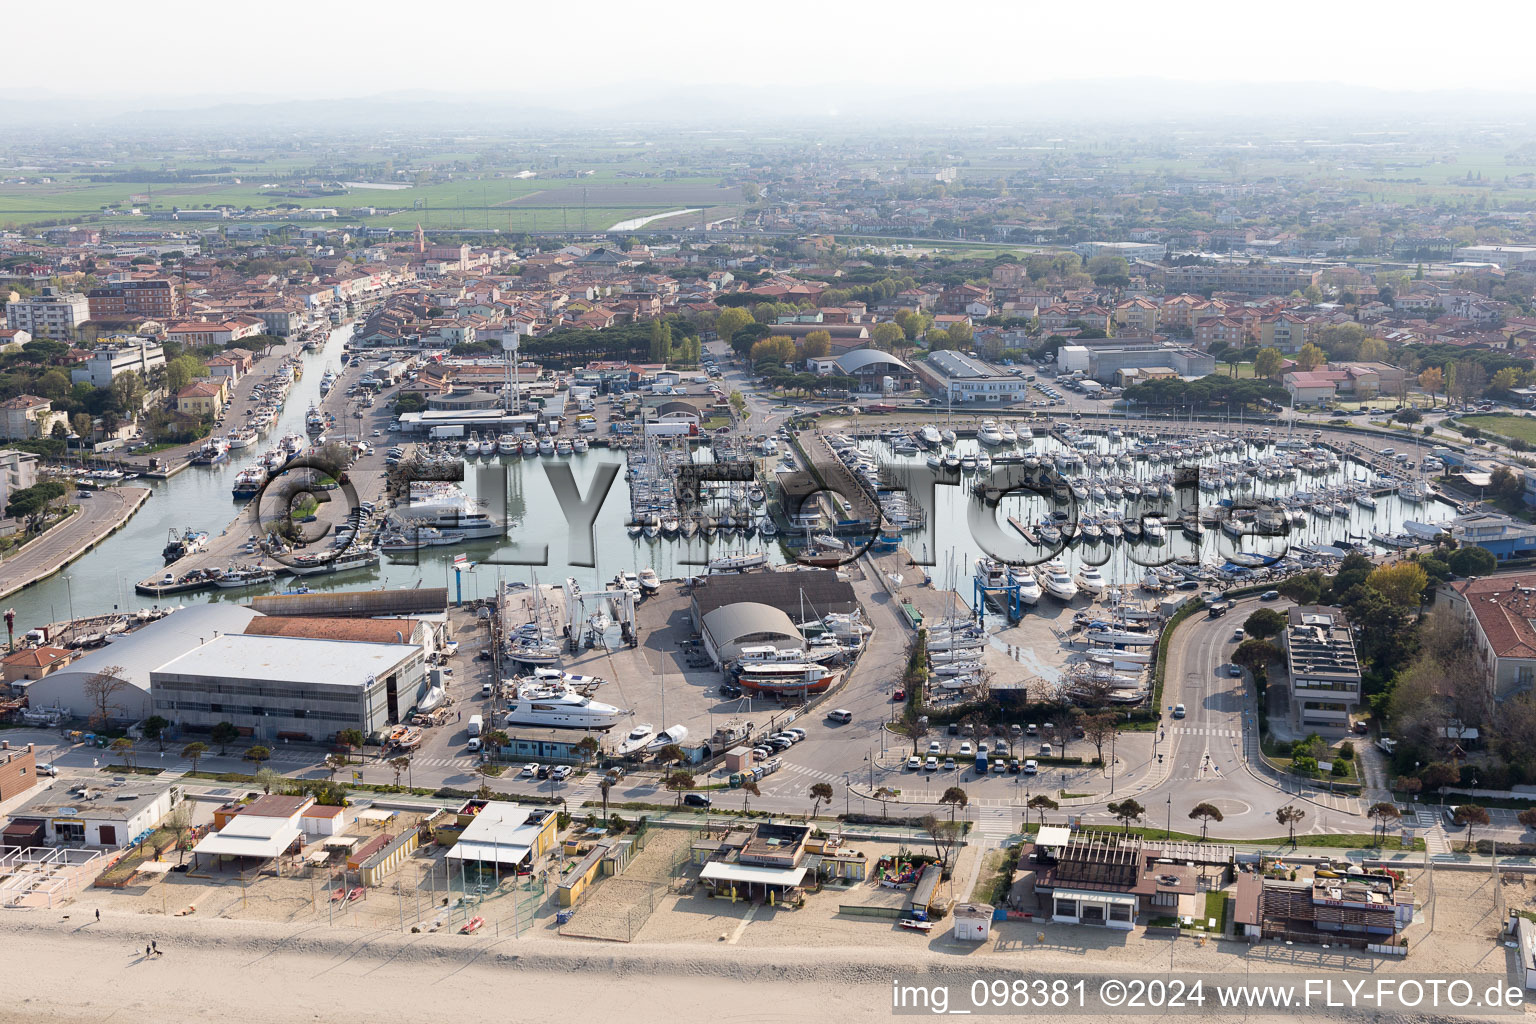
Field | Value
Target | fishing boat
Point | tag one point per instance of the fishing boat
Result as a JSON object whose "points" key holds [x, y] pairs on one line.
{"points": [[580, 446], [546, 446], [188, 542], [786, 677], [320, 565], [248, 481], [244, 576], [244, 437], [314, 422], [214, 451]]}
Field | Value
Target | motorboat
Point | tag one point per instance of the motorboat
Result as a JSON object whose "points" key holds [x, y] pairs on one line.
{"points": [[555, 705], [509, 444], [670, 526], [546, 446], [249, 481], [1365, 501], [989, 434], [472, 445], [443, 506], [1028, 587], [1058, 582], [948, 436], [788, 677], [929, 436], [649, 581], [992, 575], [1010, 436], [580, 445], [214, 451], [1090, 580]]}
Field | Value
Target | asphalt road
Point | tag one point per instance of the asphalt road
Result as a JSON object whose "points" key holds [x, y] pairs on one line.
{"points": [[100, 514]]}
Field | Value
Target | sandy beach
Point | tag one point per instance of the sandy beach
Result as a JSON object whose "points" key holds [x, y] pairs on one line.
{"points": [[730, 963]]}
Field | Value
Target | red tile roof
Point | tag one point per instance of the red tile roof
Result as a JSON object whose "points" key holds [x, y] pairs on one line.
{"points": [[1504, 607]]}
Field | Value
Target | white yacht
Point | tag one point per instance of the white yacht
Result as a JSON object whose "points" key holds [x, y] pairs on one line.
{"points": [[1090, 580], [948, 436], [441, 506], [991, 574], [1029, 587], [1058, 582], [929, 435], [555, 705], [546, 446], [649, 581], [988, 433], [1010, 436]]}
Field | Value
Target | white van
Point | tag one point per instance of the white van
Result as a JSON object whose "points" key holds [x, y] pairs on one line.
{"points": [[475, 723], [473, 745]]}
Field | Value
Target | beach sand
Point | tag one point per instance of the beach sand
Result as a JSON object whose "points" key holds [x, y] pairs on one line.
{"points": [[694, 956]]}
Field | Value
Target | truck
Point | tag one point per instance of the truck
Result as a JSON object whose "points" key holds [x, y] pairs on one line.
{"points": [[475, 722], [457, 430]]}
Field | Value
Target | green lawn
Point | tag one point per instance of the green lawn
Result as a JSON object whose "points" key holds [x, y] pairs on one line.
{"points": [[1522, 427], [1216, 907]]}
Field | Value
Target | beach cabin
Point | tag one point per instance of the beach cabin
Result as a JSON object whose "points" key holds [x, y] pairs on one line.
{"points": [[973, 922]]}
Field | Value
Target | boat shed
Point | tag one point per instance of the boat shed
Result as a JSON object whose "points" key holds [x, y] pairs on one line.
{"points": [[133, 656], [731, 627], [804, 594]]}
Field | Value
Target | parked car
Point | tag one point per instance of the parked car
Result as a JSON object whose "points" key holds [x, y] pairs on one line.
{"points": [[949, 764], [797, 732], [914, 762], [1178, 711], [695, 800], [932, 764], [1235, 671], [531, 769], [966, 750], [47, 769], [1031, 766], [561, 773], [543, 771], [934, 746]]}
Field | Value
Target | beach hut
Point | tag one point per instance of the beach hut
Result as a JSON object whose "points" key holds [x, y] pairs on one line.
{"points": [[973, 922]]}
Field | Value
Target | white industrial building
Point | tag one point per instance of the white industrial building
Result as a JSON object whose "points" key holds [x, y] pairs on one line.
{"points": [[132, 658], [275, 688], [118, 357], [958, 377]]}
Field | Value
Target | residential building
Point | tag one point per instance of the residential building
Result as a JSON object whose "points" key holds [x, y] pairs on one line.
{"points": [[18, 771], [12, 340], [51, 314], [276, 688], [1287, 332], [1311, 387], [234, 364], [1506, 256], [1248, 278], [195, 334], [26, 416], [1499, 611], [1128, 250], [33, 662], [203, 397], [1324, 670], [152, 299], [958, 378], [18, 471], [1137, 317], [118, 357]]}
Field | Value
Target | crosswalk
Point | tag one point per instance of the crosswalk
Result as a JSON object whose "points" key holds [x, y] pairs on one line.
{"points": [[1196, 731], [995, 824]]}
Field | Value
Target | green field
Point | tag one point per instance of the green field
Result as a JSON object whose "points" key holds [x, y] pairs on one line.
{"points": [[1522, 427], [488, 199]]}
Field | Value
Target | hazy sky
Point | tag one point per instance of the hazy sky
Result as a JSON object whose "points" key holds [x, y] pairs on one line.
{"points": [[281, 49]]}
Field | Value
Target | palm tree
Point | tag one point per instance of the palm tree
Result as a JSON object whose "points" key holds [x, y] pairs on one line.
{"points": [[399, 765], [956, 797], [603, 787], [1472, 815], [1127, 811], [1042, 803], [351, 739], [487, 772], [748, 789], [1205, 812], [1288, 817], [820, 793], [1380, 814], [333, 764], [883, 794], [193, 752], [677, 782]]}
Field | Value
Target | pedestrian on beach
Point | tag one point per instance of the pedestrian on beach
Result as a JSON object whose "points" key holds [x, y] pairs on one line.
{"points": [[154, 945], [146, 951], [98, 913]]}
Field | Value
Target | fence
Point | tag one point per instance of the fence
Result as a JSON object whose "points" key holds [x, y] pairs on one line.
{"points": [[615, 909]]}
